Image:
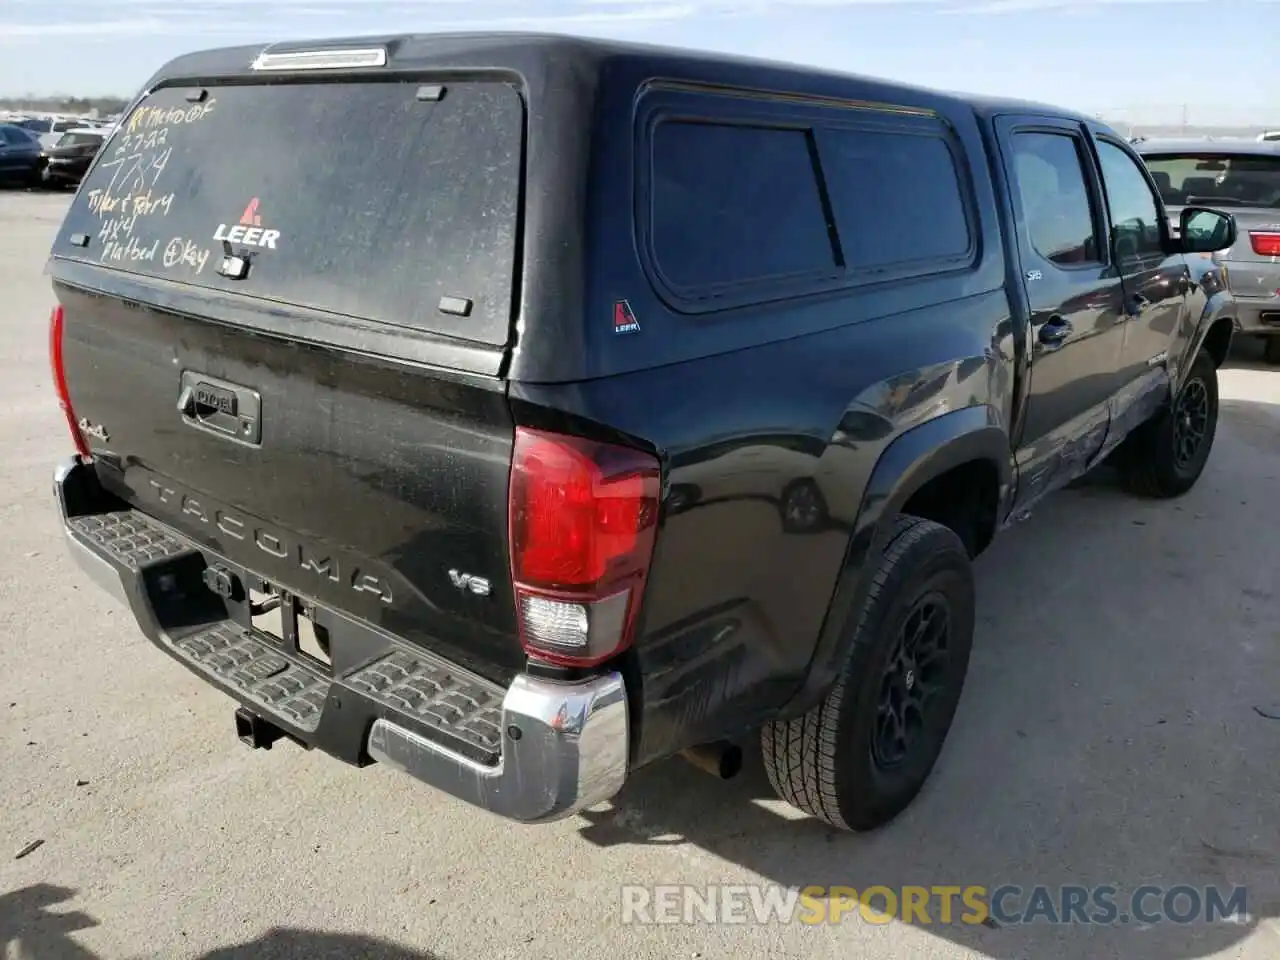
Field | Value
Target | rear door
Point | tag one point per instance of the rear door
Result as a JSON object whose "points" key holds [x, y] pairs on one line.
{"points": [[286, 306], [1075, 298]]}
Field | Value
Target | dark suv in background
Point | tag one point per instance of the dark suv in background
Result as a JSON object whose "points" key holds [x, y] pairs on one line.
{"points": [[21, 157], [68, 160], [1242, 177]]}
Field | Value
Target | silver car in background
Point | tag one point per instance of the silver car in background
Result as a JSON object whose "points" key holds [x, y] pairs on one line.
{"points": [[1240, 177]]}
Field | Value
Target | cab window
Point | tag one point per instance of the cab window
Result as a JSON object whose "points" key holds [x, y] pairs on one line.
{"points": [[1054, 195], [1135, 214]]}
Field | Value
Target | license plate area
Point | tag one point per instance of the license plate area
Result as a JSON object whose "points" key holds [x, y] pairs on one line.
{"points": [[289, 620]]}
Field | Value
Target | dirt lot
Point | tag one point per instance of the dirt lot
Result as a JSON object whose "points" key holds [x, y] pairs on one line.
{"points": [[1108, 735]]}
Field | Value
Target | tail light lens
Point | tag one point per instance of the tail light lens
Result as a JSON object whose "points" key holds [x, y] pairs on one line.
{"points": [[1265, 244], [582, 520], [60, 381]]}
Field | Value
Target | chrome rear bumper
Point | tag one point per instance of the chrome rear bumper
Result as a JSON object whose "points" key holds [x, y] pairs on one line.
{"points": [[560, 747], [564, 748]]}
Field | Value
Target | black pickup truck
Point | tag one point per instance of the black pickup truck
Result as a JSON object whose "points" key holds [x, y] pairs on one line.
{"points": [[522, 410]]}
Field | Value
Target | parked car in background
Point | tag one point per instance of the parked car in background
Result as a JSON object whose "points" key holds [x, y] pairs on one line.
{"points": [[1242, 177], [67, 162], [48, 130], [21, 156]]}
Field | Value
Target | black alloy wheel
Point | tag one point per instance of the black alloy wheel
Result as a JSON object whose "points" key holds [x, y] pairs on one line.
{"points": [[914, 675]]}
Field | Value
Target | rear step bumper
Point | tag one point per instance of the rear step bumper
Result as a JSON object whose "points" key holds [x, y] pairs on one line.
{"points": [[534, 752]]}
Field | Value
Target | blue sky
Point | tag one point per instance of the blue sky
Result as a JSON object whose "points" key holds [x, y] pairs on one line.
{"points": [[1135, 60]]}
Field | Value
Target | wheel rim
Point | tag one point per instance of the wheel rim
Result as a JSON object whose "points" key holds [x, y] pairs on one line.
{"points": [[914, 675], [1190, 423]]}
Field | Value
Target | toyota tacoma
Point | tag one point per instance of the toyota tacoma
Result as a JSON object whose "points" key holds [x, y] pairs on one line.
{"points": [[519, 411]]}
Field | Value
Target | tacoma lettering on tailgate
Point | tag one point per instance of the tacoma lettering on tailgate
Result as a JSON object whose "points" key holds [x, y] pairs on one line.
{"points": [[277, 545]]}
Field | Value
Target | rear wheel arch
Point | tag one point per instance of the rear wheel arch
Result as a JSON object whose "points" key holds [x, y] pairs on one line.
{"points": [[965, 498], [964, 449], [963, 452]]}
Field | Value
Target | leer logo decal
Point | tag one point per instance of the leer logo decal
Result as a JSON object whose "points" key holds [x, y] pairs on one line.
{"points": [[250, 216], [249, 230], [624, 320]]}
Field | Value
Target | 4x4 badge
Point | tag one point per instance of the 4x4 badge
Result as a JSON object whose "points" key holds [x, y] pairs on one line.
{"points": [[95, 430], [624, 320]]}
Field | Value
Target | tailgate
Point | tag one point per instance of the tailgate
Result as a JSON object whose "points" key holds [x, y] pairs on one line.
{"points": [[367, 216]]}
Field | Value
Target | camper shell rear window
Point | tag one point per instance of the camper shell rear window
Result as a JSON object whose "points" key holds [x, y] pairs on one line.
{"points": [[393, 201]]}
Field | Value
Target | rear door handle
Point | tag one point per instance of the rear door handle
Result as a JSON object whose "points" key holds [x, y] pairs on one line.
{"points": [[1055, 330], [1138, 303]]}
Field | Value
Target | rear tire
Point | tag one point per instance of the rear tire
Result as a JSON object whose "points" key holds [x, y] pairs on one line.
{"points": [[1271, 350], [1165, 456], [860, 757]]}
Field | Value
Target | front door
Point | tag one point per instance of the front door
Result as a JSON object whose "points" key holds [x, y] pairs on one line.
{"points": [[1156, 283], [1076, 302]]}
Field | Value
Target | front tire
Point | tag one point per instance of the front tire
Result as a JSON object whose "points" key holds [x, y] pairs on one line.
{"points": [[860, 757], [1165, 456]]}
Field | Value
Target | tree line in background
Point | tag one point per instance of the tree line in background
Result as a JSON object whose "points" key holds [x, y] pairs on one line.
{"points": [[105, 106]]}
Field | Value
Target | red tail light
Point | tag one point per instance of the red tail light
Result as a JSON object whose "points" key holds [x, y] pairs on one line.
{"points": [[1265, 244], [582, 521], [60, 381]]}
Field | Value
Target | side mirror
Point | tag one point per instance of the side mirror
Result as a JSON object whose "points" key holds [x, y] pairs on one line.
{"points": [[1201, 230]]}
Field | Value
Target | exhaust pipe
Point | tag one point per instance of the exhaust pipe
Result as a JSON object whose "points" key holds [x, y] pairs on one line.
{"points": [[720, 759], [254, 731]]}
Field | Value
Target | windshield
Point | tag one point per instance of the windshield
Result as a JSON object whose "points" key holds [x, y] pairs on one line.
{"points": [[1240, 180]]}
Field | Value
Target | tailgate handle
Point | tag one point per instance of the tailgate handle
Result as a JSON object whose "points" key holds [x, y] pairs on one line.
{"points": [[220, 407], [191, 405]]}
